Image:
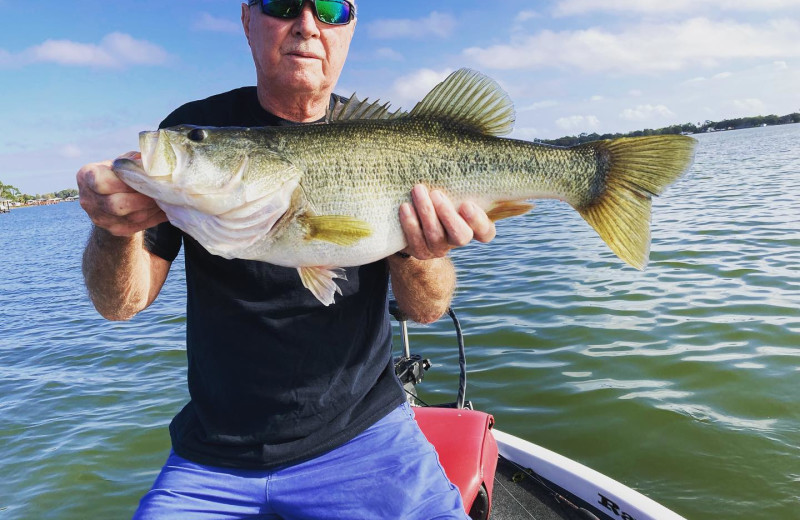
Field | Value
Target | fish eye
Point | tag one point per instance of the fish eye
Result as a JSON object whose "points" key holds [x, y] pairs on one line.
{"points": [[197, 134]]}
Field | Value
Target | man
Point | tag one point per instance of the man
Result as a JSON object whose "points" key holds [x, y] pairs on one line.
{"points": [[295, 411]]}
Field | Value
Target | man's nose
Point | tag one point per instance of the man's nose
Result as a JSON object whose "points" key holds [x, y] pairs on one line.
{"points": [[306, 22]]}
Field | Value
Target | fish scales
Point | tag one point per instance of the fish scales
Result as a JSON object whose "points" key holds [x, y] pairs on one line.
{"points": [[388, 157]]}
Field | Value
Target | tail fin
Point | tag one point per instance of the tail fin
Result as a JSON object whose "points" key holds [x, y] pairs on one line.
{"points": [[638, 168]]}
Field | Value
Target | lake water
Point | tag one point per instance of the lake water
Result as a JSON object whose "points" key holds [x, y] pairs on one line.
{"points": [[682, 381]]}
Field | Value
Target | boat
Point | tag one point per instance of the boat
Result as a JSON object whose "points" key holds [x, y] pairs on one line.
{"points": [[503, 477]]}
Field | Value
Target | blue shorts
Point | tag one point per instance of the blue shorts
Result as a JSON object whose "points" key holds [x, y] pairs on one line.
{"points": [[389, 471]]}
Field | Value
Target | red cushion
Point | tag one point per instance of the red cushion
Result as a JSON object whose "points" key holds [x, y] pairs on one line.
{"points": [[466, 447]]}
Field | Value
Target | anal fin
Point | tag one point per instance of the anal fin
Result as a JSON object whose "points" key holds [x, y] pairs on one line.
{"points": [[508, 208], [320, 281]]}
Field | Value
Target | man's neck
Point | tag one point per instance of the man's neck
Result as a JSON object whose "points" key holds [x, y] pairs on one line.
{"points": [[301, 109]]}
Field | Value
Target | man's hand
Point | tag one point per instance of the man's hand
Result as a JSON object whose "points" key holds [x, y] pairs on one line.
{"points": [[112, 204], [433, 226], [423, 285]]}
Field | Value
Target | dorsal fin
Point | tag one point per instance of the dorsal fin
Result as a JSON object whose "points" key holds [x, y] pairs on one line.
{"points": [[354, 108], [471, 99], [466, 97]]}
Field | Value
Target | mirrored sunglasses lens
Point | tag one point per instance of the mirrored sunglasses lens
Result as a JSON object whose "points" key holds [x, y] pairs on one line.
{"points": [[282, 8], [333, 12]]}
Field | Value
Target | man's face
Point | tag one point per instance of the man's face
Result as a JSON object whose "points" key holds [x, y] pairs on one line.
{"points": [[301, 55]]}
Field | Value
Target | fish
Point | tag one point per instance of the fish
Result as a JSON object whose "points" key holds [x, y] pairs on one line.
{"points": [[322, 197]]}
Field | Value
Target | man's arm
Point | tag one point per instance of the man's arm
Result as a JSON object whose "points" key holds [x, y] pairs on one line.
{"points": [[122, 277], [423, 288], [423, 284]]}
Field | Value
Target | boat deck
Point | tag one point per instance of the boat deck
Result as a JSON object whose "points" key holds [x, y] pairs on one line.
{"points": [[517, 496]]}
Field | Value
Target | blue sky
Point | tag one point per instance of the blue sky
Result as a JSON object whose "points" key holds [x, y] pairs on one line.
{"points": [[79, 80]]}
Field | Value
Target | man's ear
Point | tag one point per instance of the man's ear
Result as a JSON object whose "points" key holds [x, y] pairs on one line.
{"points": [[246, 21]]}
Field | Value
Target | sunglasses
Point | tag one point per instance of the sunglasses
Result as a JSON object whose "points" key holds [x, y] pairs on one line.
{"points": [[331, 12]]}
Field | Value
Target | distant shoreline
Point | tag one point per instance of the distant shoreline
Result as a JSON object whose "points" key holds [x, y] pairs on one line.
{"points": [[726, 125], [21, 206]]}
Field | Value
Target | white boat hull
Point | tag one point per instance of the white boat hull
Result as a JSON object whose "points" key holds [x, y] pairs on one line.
{"points": [[599, 494]]}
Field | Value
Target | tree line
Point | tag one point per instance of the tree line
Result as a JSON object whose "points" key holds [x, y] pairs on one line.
{"points": [[686, 128], [7, 191]]}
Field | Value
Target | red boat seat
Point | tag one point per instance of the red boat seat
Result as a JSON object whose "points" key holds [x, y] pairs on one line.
{"points": [[466, 448]]}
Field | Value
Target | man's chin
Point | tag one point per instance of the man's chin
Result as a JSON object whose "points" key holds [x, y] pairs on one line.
{"points": [[306, 79]]}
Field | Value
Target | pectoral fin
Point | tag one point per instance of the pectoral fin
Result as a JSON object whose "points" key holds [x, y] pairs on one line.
{"points": [[341, 230], [320, 281]]}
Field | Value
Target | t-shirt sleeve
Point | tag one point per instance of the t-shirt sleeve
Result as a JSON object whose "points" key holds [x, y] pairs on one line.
{"points": [[163, 240]]}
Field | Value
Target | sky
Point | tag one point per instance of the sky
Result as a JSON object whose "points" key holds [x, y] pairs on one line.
{"points": [[80, 79]]}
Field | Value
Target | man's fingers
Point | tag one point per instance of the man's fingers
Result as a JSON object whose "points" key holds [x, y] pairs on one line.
{"points": [[433, 225], [104, 181], [122, 204], [457, 230], [131, 224], [112, 204], [100, 178], [412, 229], [433, 231], [153, 217], [482, 227]]}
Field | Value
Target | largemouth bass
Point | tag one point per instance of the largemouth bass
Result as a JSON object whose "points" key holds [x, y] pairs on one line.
{"points": [[326, 196]]}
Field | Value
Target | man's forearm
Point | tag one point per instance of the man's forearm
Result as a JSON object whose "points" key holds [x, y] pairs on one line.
{"points": [[117, 274], [423, 288]]}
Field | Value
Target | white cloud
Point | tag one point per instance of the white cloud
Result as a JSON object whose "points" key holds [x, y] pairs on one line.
{"points": [[114, 50], [547, 103], [780, 65], [596, 98], [579, 7], [436, 24], [6, 58], [750, 106], [646, 112], [644, 48], [70, 151], [527, 133], [207, 22], [385, 53], [573, 123], [412, 87], [635, 92], [723, 75], [524, 16], [695, 80], [65, 52], [127, 50]]}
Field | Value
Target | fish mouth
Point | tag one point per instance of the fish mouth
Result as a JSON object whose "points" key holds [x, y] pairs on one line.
{"points": [[160, 158], [130, 168], [167, 189]]}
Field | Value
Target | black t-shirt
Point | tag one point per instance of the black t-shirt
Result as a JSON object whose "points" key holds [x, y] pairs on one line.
{"points": [[274, 376]]}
